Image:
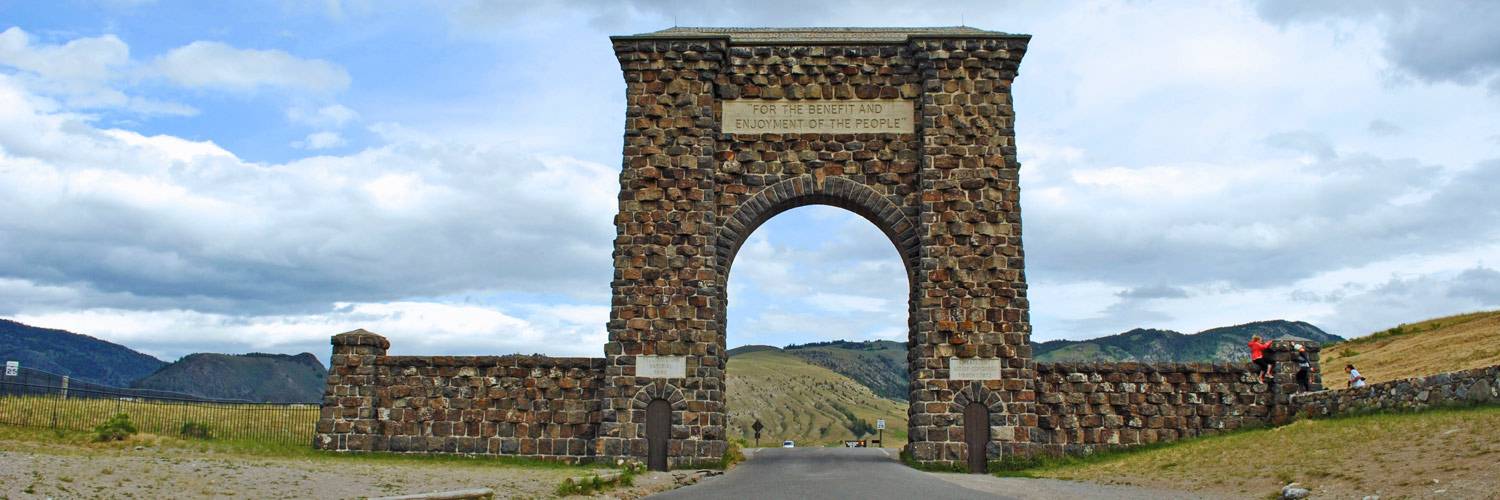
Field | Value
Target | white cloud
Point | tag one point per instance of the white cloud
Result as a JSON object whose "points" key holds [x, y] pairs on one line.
{"points": [[412, 327], [216, 65], [81, 62], [847, 303], [83, 72], [1432, 40], [330, 116], [161, 217], [320, 140]]}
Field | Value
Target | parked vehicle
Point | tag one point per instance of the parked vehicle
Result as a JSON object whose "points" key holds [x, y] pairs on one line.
{"points": [[788, 444]]}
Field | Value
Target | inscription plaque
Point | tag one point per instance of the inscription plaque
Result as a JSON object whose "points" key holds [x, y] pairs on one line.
{"points": [[843, 116], [973, 369], [661, 366]]}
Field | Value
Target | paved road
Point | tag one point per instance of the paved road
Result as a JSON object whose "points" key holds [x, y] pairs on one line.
{"points": [[819, 473]]}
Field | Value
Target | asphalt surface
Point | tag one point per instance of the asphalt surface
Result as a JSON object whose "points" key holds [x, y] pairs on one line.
{"points": [[819, 473]]}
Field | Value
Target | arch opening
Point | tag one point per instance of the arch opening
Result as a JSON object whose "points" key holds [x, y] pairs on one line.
{"points": [[850, 364]]}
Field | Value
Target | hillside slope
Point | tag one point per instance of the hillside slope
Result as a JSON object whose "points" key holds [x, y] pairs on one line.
{"points": [[1167, 346], [78, 356], [879, 365], [268, 378], [800, 401], [1427, 348]]}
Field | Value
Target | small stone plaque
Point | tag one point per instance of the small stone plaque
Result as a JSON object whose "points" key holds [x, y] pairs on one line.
{"points": [[973, 369], [661, 366], [816, 116]]}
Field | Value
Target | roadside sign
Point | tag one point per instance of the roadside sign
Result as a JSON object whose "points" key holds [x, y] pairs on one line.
{"points": [[12, 368], [879, 424]]}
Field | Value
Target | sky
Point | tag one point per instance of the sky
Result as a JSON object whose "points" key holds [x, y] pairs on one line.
{"points": [[251, 176]]}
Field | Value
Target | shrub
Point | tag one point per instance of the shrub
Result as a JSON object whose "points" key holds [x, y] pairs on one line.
{"points": [[197, 430], [732, 455], [117, 428]]}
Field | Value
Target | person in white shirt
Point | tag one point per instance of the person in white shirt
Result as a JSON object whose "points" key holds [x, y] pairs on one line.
{"points": [[1355, 379]]}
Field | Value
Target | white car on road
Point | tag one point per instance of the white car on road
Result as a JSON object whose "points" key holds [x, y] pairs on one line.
{"points": [[788, 444]]}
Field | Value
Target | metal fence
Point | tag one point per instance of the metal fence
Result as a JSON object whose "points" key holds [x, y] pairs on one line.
{"points": [[39, 399]]}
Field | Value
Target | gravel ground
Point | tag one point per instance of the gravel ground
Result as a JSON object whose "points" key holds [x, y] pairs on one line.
{"points": [[1048, 489], [36, 470]]}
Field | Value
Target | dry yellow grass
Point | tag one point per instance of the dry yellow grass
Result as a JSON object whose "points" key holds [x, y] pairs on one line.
{"points": [[261, 422], [1427, 348], [1452, 453]]}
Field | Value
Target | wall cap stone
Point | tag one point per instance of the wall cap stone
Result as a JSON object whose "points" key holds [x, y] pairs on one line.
{"points": [[518, 360], [817, 35], [361, 337]]}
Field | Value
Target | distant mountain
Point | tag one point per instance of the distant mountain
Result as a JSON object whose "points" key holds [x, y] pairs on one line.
{"points": [[1166, 346], [881, 365], [78, 356], [268, 378]]}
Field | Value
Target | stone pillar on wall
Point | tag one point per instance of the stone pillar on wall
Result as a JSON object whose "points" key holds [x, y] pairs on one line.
{"points": [[1284, 381], [347, 421]]}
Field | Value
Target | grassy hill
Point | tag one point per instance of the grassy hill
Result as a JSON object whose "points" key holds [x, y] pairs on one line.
{"points": [[1167, 346], [263, 378], [797, 400], [1413, 350], [78, 356]]}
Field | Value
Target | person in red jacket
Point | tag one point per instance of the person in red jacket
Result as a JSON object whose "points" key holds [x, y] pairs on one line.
{"points": [[1259, 357]]}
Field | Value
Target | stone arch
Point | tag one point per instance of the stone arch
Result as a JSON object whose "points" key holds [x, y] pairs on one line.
{"points": [[976, 392], [809, 190], [943, 187], [660, 389]]}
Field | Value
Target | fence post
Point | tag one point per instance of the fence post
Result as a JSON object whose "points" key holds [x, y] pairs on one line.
{"points": [[65, 387]]}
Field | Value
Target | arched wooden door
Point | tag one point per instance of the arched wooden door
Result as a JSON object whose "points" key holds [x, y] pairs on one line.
{"points": [[977, 435], [658, 432]]}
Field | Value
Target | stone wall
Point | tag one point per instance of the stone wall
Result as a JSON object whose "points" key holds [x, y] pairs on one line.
{"points": [[1084, 406], [500, 405], [552, 407], [1479, 385]]}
